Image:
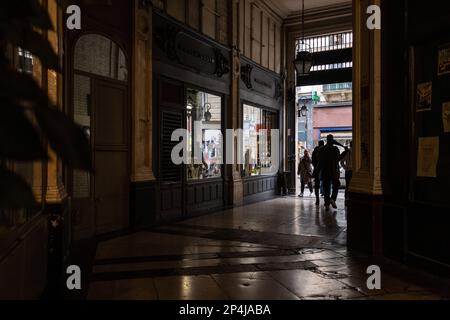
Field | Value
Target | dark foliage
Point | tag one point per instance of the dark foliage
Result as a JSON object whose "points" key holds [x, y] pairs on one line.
{"points": [[21, 99]]}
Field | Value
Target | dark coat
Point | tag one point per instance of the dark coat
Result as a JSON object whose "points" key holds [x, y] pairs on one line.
{"points": [[328, 162], [305, 169], [315, 160]]}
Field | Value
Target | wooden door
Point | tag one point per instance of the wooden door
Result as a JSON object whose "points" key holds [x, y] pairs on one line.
{"points": [[171, 116], [171, 175], [111, 153]]}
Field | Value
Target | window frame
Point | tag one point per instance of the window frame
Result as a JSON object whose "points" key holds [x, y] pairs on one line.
{"points": [[223, 100], [276, 114]]}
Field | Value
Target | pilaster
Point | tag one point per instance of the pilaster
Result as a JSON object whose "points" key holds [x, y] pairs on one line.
{"points": [[142, 122]]}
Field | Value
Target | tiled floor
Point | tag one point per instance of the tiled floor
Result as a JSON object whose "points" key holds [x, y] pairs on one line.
{"points": [[283, 249]]}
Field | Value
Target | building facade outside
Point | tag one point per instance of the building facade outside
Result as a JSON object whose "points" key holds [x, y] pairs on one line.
{"points": [[329, 111]]}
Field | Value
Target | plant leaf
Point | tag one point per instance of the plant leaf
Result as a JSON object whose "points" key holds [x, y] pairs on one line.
{"points": [[14, 191], [19, 86], [18, 139], [27, 12], [30, 40], [66, 138], [34, 42]]}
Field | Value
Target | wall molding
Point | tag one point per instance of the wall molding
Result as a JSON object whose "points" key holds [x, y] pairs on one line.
{"points": [[343, 10]]}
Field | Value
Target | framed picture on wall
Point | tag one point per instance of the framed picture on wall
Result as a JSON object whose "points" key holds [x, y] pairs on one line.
{"points": [[424, 96], [446, 116], [427, 157], [444, 60]]}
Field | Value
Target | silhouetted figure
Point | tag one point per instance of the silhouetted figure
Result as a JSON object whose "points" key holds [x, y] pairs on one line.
{"points": [[347, 164], [305, 172], [328, 164], [316, 172]]}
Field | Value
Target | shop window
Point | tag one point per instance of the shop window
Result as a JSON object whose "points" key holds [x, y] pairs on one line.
{"points": [[204, 126], [257, 144]]}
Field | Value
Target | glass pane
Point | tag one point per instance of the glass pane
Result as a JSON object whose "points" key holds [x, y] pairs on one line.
{"points": [[268, 123], [99, 55], [25, 61], [252, 123], [204, 126], [82, 116], [257, 142]]}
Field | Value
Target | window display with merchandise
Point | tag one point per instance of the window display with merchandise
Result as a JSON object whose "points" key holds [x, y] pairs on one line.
{"points": [[204, 112], [257, 142]]}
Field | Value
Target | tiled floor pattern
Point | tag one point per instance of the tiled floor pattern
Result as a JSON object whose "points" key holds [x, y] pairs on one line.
{"points": [[283, 249]]}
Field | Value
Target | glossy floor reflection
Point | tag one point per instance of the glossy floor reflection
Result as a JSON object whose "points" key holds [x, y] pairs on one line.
{"points": [[283, 249]]}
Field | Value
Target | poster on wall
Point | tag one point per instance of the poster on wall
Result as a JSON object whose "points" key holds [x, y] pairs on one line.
{"points": [[444, 60], [428, 157], [446, 116], [424, 96]]}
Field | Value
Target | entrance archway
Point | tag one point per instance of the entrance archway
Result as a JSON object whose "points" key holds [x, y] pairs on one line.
{"points": [[100, 104]]}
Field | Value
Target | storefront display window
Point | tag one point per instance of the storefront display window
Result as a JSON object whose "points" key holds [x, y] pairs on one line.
{"points": [[257, 139], [204, 123]]}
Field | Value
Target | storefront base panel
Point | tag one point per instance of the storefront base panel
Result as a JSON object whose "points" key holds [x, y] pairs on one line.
{"points": [[260, 189], [143, 204], [23, 265], [413, 234], [364, 232], [428, 239]]}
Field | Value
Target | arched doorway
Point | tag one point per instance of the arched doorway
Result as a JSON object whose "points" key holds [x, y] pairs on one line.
{"points": [[100, 104]]}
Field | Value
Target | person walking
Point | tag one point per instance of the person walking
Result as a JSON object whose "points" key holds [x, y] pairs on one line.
{"points": [[316, 172], [305, 172], [347, 164], [328, 164]]}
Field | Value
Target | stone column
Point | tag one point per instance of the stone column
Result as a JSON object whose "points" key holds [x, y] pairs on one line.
{"points": [[366, 103], [365, 205], [235, 113], [142, 155], [56, 197], [236, 120], [56, 192], [38, 166], [290, 114]]}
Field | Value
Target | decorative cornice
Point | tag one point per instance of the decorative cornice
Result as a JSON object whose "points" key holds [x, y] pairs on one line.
{"points": [[246, 75], [320, 14], [272, 8]]}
